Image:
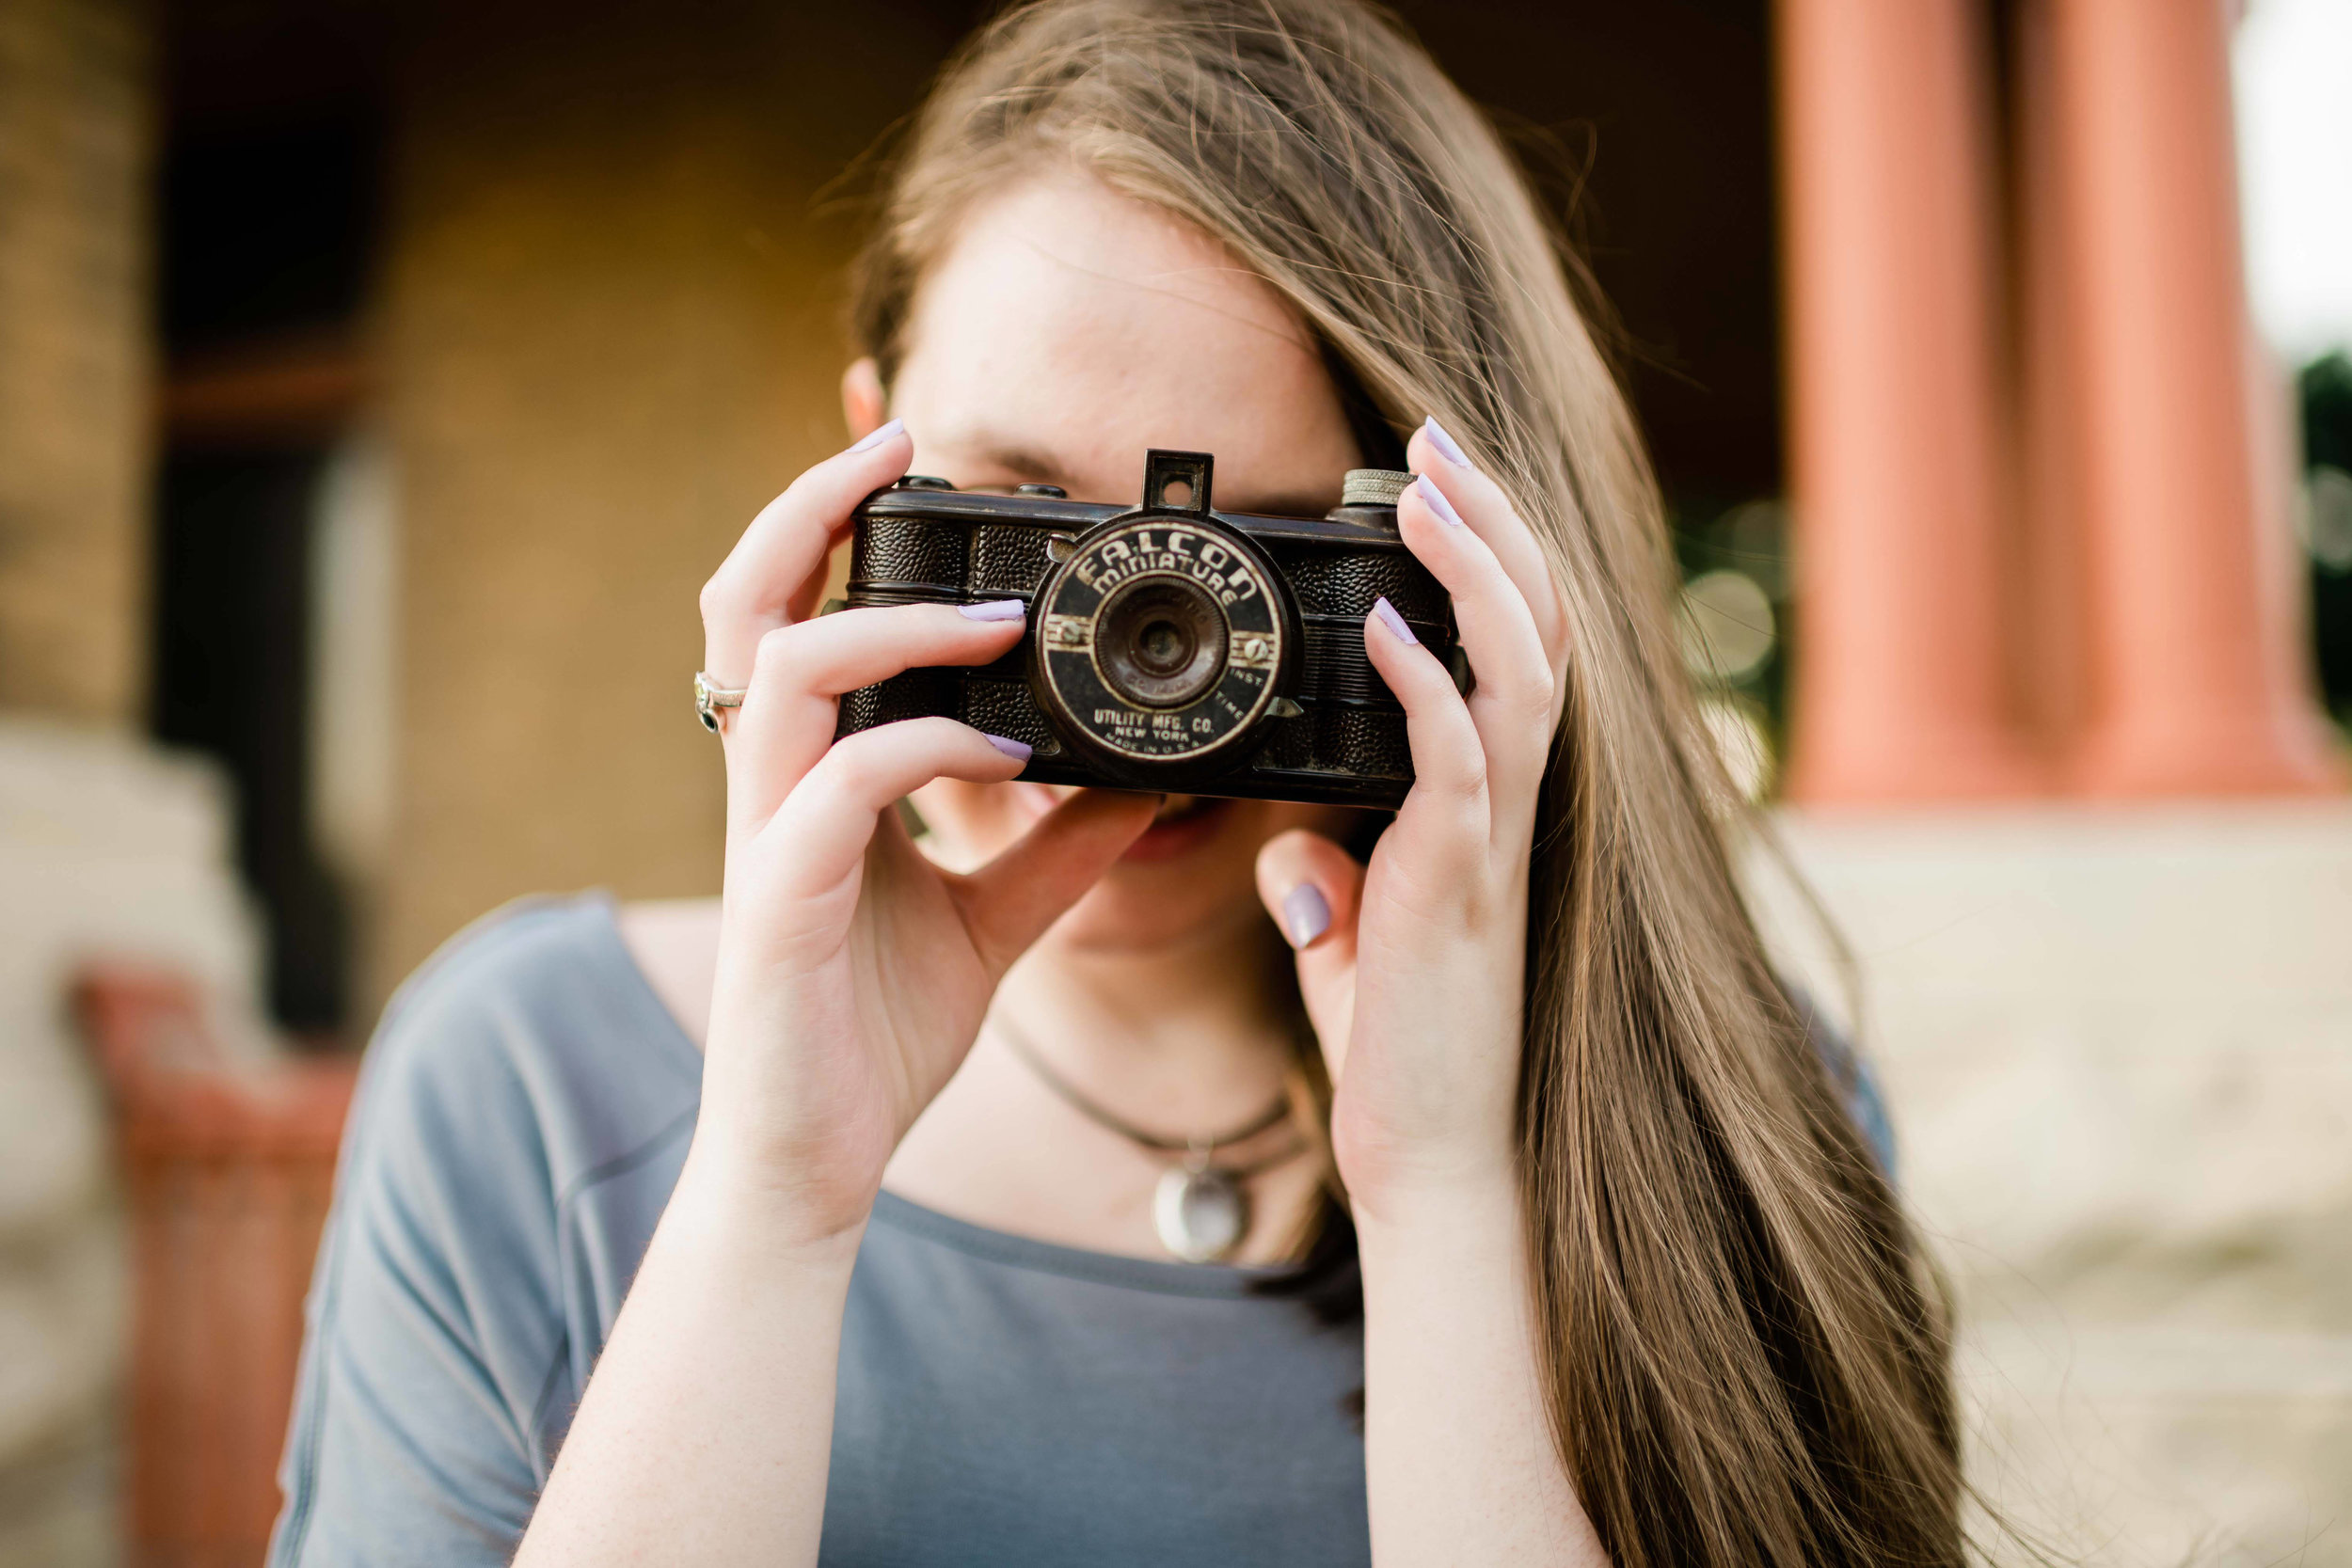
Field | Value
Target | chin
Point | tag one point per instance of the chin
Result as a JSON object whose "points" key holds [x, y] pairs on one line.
{"points": [[1191, 876], [1113, 919]]}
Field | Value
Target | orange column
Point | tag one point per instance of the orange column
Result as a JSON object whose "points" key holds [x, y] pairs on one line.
{"points": [[2049, 655], [2195, 688], [1885, 145]]}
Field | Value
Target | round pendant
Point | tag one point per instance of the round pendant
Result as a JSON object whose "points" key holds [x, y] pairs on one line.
{"points": [[1201, 1215]]}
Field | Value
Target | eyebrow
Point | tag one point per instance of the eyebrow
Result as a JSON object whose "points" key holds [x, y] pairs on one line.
{"points": [[1031, 464]]}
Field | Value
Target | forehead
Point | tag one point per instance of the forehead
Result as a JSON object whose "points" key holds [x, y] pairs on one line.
{"points": [[1076, 327]]}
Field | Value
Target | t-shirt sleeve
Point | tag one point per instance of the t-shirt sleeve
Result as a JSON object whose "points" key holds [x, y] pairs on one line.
{"points": [[435, 1334], [1857, 1080]]}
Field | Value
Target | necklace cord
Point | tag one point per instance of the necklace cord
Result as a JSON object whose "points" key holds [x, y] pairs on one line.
{"points": [[1078, 1100]]}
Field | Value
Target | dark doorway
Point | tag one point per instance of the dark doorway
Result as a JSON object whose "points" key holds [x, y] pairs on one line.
{"points": [[267, 230], [232, 657]]}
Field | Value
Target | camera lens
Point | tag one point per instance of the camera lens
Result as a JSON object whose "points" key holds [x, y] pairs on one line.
{"points": [[1160, 641]]}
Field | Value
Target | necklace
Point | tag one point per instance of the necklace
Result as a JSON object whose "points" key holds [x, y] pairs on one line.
{"points": [[1201, 1208]]}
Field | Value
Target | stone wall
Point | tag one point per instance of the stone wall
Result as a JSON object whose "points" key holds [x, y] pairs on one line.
{"points": [[613, 333], [2119, 1049], [99, 845], [73, 355], [106, 850]]}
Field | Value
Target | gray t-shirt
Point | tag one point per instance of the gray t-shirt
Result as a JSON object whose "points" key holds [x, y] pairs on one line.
{"points": [[520, 1123], [521, 1120]]}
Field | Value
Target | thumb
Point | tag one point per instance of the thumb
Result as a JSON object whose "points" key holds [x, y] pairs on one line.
{"points": [[1312, 888], [1008, 903]]}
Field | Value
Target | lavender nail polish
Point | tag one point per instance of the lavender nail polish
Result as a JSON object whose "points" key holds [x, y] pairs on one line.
{"points": [[1305, 915], [1385, 615], [1448, 447], [1438, 503], [1011, 746], [876, 436], [994, 610]]}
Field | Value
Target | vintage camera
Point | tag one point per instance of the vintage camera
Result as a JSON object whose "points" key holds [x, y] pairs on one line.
{"points": [[1170, 647]]}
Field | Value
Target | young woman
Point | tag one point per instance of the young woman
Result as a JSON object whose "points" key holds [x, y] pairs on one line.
{"points": [[1560, 1244]]}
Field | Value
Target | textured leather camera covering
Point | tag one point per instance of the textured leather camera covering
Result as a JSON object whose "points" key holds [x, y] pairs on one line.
{"points": [[1335, 582], [911, 552], [1007, 558]]}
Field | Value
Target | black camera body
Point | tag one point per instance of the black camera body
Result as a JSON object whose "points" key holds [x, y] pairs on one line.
{"points": [[1168, 646]]}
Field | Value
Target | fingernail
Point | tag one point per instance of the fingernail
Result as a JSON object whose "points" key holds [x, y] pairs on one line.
{"points": [[874, 438], [1448, 447], [1438, 503], [1385, 615], [994, 610], [1011, 746], [1305, 915]]}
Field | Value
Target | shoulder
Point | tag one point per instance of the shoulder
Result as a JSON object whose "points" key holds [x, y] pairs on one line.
{"points": [[530, 955], [503, 1164], [526, 1051], [445, 1306]]}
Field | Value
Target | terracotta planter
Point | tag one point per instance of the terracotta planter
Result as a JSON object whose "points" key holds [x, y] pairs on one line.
{"points": [[228, 1173]]}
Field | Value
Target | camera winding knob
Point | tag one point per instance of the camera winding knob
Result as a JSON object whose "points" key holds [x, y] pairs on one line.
{"points": [[1373, 486]]}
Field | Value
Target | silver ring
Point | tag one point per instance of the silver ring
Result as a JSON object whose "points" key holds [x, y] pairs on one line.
{"points": [[710, 697]]}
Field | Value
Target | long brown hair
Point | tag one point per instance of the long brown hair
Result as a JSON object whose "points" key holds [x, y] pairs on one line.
{"points": [[1746, 1356]]}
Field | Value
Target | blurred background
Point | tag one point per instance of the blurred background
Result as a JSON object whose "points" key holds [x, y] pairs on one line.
{"points": [[379, 381]]}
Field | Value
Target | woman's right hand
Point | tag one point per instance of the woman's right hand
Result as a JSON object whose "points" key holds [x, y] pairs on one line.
{"points": [[852, 972]]}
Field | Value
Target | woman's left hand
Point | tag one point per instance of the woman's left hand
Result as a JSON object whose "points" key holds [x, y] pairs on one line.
{"points": [[1414, 968]]}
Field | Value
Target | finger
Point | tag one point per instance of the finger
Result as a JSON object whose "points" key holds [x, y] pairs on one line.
{"points": [[788, 715], [1010, 902], [1511, 702], [1434, 451], [781, 557], [1449, 758], [817, 838], [1314, 889]]}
